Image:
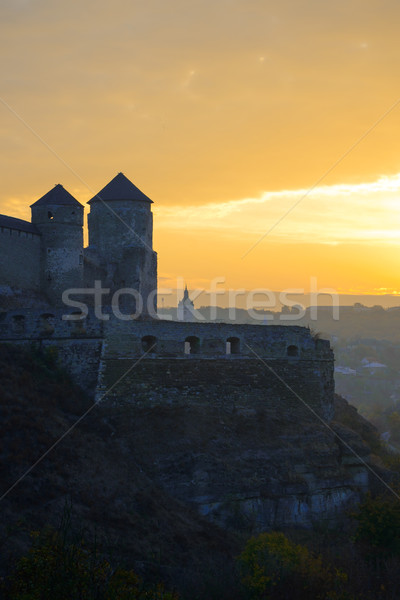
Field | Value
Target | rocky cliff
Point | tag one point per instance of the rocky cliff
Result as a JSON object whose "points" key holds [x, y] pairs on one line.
{"points": [[153, 476]]}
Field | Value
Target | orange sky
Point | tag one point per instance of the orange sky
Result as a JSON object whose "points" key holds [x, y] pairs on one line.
{"points": [[225, 113]]}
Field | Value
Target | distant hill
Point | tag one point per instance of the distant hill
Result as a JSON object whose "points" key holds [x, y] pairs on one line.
{"points": [[349, 322]]}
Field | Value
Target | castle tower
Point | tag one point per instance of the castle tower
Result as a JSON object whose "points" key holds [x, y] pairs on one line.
{"points": [[59, 218], [120, 226]]}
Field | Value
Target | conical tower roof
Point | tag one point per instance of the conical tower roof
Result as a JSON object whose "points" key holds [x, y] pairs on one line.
{"points": [[120, 188], [57, 196]]}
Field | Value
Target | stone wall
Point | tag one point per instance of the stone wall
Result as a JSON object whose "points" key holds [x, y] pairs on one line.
{"points": [[210, 339], [218, 381], [165, 362], [20, 259], [155, 364], [62, 248], [119, 224], [25, 325], [77, 344]]}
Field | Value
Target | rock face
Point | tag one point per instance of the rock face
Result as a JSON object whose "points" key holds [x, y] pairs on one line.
{"points": [[161, 460], [245, 439], [236, 443], [247, 467]]}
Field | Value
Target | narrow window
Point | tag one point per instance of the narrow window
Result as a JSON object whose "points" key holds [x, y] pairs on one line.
{"points": [[192, 345], [233, 345]]}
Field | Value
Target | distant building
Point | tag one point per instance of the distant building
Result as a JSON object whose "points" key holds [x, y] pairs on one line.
{"points": [[186, 308], [373, 365], [345, 370]]}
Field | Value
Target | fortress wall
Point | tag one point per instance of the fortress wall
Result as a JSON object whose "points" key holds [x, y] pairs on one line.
{"points": [[20, 259], [19, 325], [230, 384], [80, 357], [77, 344], [260, 372], [125, 339]]}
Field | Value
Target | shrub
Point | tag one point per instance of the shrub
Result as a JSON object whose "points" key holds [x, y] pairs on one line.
{"points": [[57, 569], [271, 566], [378, 529]]}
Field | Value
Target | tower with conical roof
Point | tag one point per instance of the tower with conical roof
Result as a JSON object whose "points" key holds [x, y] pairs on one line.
{"points": [[120, 226], [58, 216]]}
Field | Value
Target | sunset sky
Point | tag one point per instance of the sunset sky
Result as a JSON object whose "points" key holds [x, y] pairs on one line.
{"points": [[266, 132]]}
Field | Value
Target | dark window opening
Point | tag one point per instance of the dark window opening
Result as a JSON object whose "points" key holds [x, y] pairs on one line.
{"points": [[149, 344], [233, 345], [292, 351], [192, 345], [18, 323]]}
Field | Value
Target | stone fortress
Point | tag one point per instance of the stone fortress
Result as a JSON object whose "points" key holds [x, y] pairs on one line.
{"points": [[43, 258], [150, 362], [46, 256]]}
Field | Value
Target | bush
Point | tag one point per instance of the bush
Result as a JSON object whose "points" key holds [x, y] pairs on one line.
{"points": [[272, 567], [378, 530], [57, 569]]}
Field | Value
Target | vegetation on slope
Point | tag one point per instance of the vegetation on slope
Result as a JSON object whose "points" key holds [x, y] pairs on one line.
{"points": [[126, 531]]}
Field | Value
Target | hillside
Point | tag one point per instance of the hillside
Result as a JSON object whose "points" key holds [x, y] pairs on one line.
{"points": [[90, 471], [131, 473]]}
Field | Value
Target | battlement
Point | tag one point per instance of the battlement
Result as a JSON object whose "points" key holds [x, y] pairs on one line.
{"points": [[175, 339], [167, 339]]}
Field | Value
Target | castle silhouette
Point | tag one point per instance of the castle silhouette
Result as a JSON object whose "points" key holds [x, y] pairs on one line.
{"points": [[46, 256]]}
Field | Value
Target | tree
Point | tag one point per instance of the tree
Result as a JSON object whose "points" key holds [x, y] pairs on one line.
{"points": [[55, 568], [378, 530], [273, 567]]}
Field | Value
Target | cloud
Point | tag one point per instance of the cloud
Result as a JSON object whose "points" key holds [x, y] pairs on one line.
{"points": [[365, 212]]}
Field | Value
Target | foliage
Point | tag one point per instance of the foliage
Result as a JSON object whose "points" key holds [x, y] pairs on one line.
{"points": [[378, 529], [394, 425], [57, 568], [272, 567]]}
